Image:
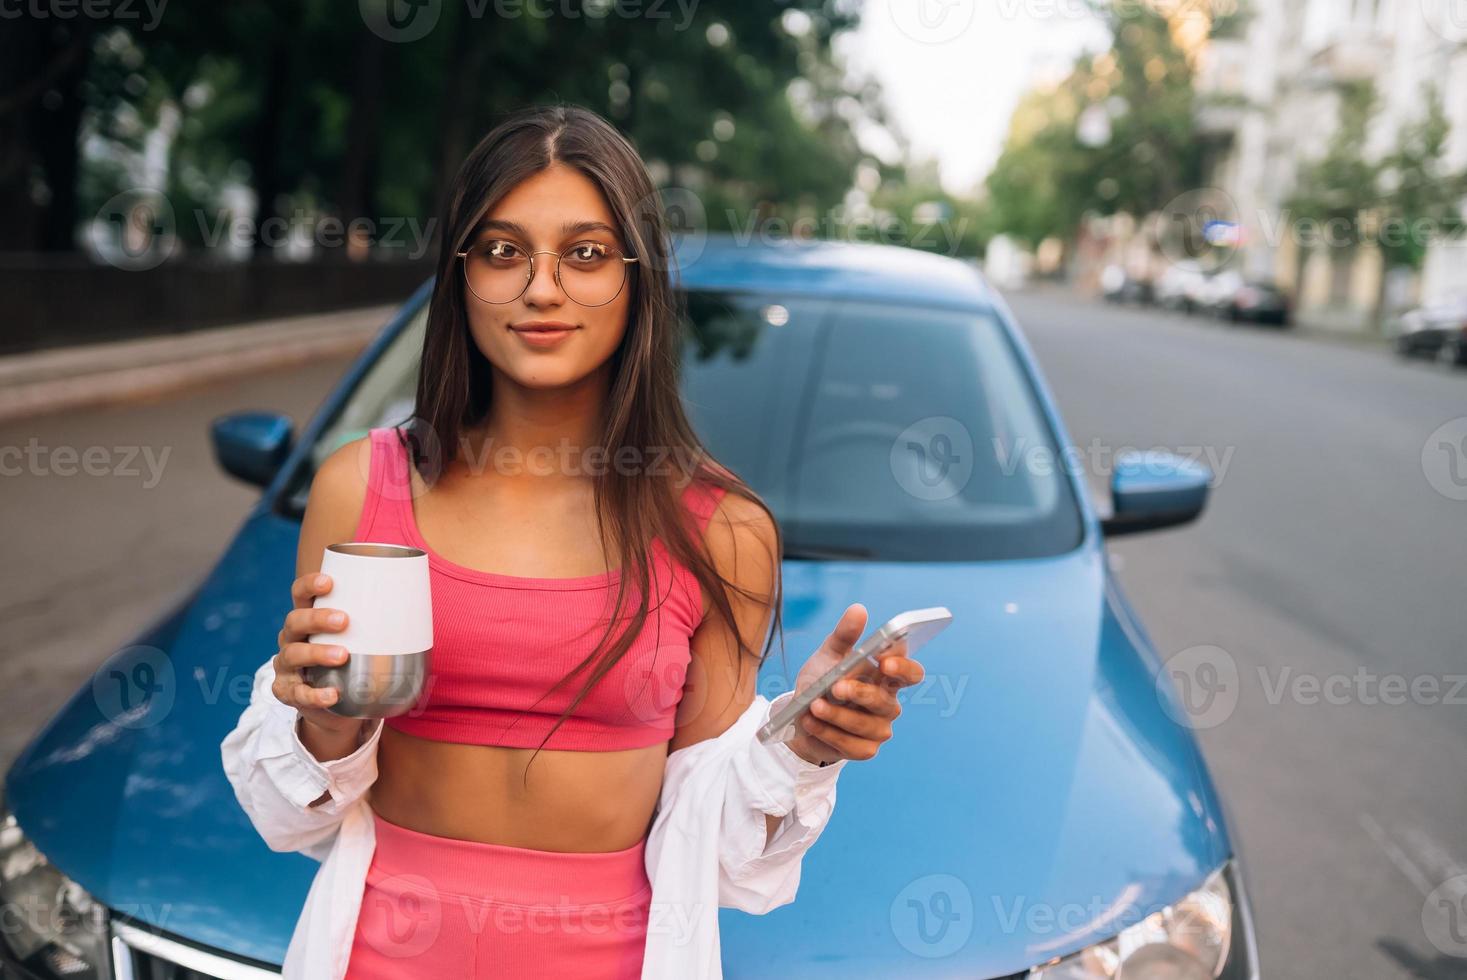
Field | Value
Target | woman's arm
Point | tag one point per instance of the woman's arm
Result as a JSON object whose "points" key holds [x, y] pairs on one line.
{"points": [[278, 781], [296, 770], [773, 801], [740, 540]]}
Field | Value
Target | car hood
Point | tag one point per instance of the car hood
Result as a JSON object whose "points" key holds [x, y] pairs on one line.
{"points": [[1037, 797]]}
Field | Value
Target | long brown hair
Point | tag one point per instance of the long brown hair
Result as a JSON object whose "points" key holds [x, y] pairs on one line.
{"points": [[644, 407]]}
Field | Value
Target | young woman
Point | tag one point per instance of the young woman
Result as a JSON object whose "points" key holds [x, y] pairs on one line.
{"points": [[600, 586]]}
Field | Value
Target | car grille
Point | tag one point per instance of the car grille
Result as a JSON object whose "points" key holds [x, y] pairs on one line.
{"points": [[138, 954], [142, 955]]}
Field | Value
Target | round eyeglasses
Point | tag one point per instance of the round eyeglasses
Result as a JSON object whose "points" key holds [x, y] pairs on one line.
{"points": [[590, 273]]}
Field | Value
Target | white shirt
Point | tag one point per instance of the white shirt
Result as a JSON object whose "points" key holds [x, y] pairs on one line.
{"points": [[706, 847]]}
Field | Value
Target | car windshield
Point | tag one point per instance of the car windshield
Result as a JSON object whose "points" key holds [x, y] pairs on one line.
{"points": [[872, 430]]}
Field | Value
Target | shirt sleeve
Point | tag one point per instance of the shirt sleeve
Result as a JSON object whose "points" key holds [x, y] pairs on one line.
{"points": [[276, 778], [770, 779]]}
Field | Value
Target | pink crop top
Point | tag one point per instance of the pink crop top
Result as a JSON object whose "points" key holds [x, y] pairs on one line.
{"points": [[500, 642]]}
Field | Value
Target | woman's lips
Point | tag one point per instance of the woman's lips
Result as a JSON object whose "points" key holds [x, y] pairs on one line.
{"points": [[543, 337]]}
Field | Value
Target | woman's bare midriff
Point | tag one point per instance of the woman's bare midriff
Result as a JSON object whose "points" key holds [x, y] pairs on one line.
{"points": [[572, 800]]}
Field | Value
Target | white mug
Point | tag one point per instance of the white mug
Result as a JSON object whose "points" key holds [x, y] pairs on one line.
{"points": [[384, 591]]}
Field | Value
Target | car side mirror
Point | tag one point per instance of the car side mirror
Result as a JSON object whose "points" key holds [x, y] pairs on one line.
{"points": [[252, 445], [1155, 489]]}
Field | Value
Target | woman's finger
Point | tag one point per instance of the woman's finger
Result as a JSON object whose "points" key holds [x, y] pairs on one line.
{"points": [[315, 619], [902, 671], [848, 745], [847, 630], [873, 698], [857, 721], [294, 656], [304, 589]]}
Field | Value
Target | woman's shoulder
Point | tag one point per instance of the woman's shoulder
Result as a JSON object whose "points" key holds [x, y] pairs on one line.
{"points": [[739, 515]]}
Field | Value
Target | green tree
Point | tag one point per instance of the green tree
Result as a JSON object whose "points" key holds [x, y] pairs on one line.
{"points": [[1116, 135]]}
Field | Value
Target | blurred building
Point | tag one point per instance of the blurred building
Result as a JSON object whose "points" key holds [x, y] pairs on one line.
{"points": [[1268, 103]]}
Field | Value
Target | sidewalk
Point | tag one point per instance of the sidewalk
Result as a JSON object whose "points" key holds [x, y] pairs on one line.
{"points": [[99, 374]]}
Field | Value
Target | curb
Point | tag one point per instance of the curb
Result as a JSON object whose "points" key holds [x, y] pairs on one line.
{"points": [[93, 375]]}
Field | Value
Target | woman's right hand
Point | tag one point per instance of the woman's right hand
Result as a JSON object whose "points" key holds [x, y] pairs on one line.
{"points": [[290, 685]]}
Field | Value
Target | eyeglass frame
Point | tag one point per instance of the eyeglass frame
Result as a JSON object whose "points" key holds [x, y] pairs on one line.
{"points": [[530, 276]]}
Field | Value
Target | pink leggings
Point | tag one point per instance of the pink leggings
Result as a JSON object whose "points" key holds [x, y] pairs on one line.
{"points": [[439, 907]]}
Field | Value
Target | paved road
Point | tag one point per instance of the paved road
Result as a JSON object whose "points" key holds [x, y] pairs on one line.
{"points": [[1326, 553]]}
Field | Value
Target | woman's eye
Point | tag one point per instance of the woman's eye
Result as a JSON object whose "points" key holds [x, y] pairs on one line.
{"points": [[588, 253], [501, 250]]}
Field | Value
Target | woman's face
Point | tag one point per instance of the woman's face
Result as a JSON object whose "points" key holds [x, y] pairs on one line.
{"points": [[543, 212]]}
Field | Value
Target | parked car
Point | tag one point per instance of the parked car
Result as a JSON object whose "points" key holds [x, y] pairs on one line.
{"points": [[1119, 286], [1438, 330], [888, 408], [1178, 288], [1232, 296]]}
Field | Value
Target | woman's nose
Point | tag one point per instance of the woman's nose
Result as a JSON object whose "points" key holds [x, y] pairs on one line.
{"points": [[543, 289]]}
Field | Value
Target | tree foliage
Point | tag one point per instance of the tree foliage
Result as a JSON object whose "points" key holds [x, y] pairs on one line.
{"points": [[308, 107], [1116, 135]]}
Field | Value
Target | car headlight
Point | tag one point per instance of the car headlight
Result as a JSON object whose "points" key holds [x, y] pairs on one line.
{"points": [[48, 922], [1193, 939]]}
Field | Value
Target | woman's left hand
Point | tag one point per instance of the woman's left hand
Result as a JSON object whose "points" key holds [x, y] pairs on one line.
{"points": [[855, 719]]}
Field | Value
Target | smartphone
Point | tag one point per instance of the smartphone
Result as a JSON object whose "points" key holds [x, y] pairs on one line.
{"points": [[916, 626]]}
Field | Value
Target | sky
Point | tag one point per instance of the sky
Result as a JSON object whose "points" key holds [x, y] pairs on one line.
{"points": [[953, 70]]}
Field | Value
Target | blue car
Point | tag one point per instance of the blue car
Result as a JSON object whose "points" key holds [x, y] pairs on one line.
{"points": [[885, 404]]}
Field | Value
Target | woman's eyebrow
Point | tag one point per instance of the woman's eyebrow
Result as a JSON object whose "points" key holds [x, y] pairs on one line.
{"points": [[515, 228]]}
